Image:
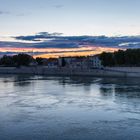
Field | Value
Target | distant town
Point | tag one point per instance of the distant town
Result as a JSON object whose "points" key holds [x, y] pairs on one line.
{"points": [[71, 62], [123, 58]]}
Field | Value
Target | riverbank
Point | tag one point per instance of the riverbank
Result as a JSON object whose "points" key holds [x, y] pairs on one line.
{"points": [[107, 72]]}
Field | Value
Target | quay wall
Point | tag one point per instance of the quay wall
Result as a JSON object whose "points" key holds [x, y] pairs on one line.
{"points": [[107, 72]]}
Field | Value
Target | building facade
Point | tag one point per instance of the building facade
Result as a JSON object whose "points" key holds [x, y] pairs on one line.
{"points": [[80, 62]]}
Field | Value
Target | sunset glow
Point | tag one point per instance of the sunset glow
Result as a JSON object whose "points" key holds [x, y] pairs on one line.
{"points": [[59, 52], [77, 52]]}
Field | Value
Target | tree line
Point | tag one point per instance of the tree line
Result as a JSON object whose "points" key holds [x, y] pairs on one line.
{"points": [[19, 60], [129, 57]]}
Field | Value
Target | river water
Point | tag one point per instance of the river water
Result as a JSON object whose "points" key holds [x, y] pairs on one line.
{"points": [[69, 108]]}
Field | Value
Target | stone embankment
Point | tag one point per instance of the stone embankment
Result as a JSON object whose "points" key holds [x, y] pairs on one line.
{"points": [[106, 72]]}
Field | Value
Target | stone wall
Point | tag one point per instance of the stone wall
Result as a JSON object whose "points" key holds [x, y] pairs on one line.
{"points": [[69, 72]]}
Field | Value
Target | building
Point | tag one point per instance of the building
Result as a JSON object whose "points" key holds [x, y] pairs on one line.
{"points": [[50, 63], [80, 62], [72, 62], [95, 62]]}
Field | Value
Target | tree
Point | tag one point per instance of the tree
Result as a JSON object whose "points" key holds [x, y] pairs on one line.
{"points": [[39, 60], [119, 57], [7, 61], [107, 59], [129, 57], [22, 59], [63, 62]]}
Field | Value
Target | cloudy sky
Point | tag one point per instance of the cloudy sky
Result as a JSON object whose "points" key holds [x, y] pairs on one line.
{"points": [[26, 25]]}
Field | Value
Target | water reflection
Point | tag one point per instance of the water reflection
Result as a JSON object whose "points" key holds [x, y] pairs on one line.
{"points": [[20, 80], [106, 91], [69, 108], [76, 80]]}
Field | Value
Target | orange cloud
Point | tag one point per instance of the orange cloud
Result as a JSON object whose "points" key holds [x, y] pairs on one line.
{"points": [[58, 52], [77, 52]]}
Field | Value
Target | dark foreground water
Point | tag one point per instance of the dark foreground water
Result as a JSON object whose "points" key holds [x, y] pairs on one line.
{"points": [[69, 108]]}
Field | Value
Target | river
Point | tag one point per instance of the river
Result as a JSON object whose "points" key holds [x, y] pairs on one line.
{"points": [[69, 108]]}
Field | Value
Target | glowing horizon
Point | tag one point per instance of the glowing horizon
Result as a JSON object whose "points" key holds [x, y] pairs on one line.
{"points": [[60, 52], [77, 53]]}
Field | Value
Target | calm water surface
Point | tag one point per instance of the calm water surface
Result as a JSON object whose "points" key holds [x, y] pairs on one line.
{"points": [[69, 108]]}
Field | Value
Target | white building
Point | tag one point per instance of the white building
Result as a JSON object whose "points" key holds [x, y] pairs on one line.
{"points": [[95, 62], [81, 62]]}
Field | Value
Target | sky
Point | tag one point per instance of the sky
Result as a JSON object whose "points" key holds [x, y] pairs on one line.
{"points": [[71, 18]]}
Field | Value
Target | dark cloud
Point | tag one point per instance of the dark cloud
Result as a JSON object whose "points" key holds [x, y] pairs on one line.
{"points": [[124, 41], [59, 41], [39, 36]]}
